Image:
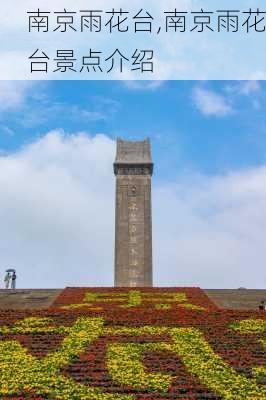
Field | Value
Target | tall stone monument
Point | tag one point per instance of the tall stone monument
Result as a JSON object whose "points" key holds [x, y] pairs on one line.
{"points": [[133, 168]]}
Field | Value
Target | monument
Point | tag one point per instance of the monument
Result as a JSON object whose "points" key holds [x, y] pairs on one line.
{"points": [[133, 169]]}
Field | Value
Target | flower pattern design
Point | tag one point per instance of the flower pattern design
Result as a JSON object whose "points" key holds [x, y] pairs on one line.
{"points": [[124, 344]]}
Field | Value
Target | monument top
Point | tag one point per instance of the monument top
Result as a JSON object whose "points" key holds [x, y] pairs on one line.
{"points": [[137, 152]]}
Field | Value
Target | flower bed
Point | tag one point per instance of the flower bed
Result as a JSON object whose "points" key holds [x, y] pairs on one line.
{"points": [[144, 344], [151, 298]]}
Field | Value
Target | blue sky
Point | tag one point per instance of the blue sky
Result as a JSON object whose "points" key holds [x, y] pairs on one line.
{"points": [[57, 142], [183, 133]]}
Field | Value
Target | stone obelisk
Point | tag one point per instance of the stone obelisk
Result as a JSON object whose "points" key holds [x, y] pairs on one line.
{"points": [[133, 168]]}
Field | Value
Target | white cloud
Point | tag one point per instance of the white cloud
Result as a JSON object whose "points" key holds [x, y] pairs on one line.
{"points": [[142, 85], [16, 96], [13, 94], [57, 206], [244, 88], [211, 231], [209, 102], [6, 131], [57, 219], [49, 112], [249, 87]]}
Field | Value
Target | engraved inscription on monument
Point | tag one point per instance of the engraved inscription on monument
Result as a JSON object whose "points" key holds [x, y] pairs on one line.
{"points": [[133, 228]]}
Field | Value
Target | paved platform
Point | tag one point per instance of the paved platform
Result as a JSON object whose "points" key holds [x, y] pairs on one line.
{"points": [[237, 299], [20, 299]]}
